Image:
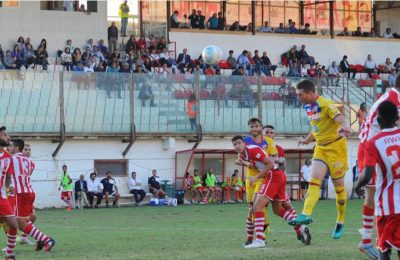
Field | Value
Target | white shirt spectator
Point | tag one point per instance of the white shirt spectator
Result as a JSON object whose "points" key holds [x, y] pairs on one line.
{"points": [[154, 56], [266, 29], [100, 55], [133, 184], [387, 35], [68, 5], [88, 69], [306, 171], [370, 64], [93, 185], [66, 57], [333, 70], [303, 72], [243, 60]]}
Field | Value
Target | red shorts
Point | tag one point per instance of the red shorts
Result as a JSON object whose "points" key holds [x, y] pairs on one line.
{"points": [[11, 200], [5, 208], [25, 204], [66, 195], [361, 162], [274, 186], [388, 232]]}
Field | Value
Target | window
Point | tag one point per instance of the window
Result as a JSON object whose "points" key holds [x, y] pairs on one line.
{"points": [[207, 8], [69, 5], [118, 168], [9, 3]]}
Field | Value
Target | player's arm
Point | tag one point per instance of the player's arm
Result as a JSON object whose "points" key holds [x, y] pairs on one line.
{"points": [[269, 165], [9, 174], [343, 130], [365, 177], [306, 140], [371, 155]]}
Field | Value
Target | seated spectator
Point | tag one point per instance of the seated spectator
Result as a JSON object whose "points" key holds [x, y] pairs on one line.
{"points": [[77, 56], [41, 57], [258, 64], [80, 192], [162, 43], [17, 56], [142, 43], [86, 55], [221, 21], [292, 28], [197, 70], [249, 27], [280, 29], [146, 93], [243, 61], [304, 57], [344, 67], [212, 22], [94, 189], [188, 183], [396, 65], [267, 62], [89, 67], [231, 60], [174, 20], [303, 71], [102, 48], [291, 98], [29, 56], [135, 188], [154, 58], [184, 61], [155, 187], [194, 19], [293, 70], [110, 189], [21, 43], [370, 65], [392, 78], [165, 58], [69, 45], [210, 181], [388, 33], [357, 33], [111, 79], [201, 191], [202, 20], [97, 53], [131, 44], [89, 44], [292, 55], [306, 29], [312, 72], [43, 43], [266, 27], [333, 72], [372, 33], [79, 67], [116, 57], [345, 32], [235, 27], [66, 59], [82, 8], [386, 67]]}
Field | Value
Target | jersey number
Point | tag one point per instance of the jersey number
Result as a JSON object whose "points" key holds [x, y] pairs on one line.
{"points": [[393, 153]]}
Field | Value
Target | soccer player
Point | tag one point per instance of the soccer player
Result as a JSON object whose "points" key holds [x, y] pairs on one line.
{"points": [[200, 190], [237, 185], [368, 130], [382, 154], [66, 185], [285, 210], [25, 197], [330, 153]]}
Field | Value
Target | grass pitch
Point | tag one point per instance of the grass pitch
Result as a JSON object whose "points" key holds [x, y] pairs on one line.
{"points": [[188, 232]]}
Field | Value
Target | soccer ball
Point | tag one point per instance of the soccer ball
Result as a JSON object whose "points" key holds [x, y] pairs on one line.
{"points": [[211, 54]]}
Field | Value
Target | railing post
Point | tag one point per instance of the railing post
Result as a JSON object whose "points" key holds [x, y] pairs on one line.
{"points": [[259, 91], [62, 115]]}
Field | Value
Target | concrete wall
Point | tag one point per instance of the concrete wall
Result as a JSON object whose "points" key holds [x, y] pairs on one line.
{"points": [[324, 49], [145, 155], [56, 27]]}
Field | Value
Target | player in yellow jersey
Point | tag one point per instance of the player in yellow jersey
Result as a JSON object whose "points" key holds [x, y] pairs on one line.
{"points": [[330, 153]]}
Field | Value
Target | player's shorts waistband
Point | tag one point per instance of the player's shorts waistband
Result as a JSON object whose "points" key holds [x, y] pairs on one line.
{"points": [[328, 143]]}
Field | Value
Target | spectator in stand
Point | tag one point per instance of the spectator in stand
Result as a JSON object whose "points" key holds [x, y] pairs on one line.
{"points": [[194, 20], [136, 189], [192, 111], [112, 36], [386, 67], [243, 61], [155, 187], [212, 22], [293, 70], [101, 67], [69, 45], [345, 32], [238, 72], [392, 78], [344, 67], [258, 64], [162, 43], [235, 27], [101, 47], [147, 64], [88, 67], [370, 65], [184, 61], [267, 62], [306, 29], [231, 60], [124, 15], [292, 55], [77, 56], [131, 44], [202, 20], [280, 29], [110, 189], [66, 59], [17, 55], [41, 57], [188, 183], [249, 27], [97, 53], [78, 67], [312, 72], [252, 63], [221, 22], [266, 27], [69, 5], [305, 175], [82, 8], [303, 71], [116, 57], [165, 58], [396, 65], [333, 72], [141, 44], [174, 20], [292, 28], [21, 43], [146, 93], [89, 44], [372, 33], [86, 56], [357, 33], [112, 79], [292, 97], [81, 189], [304, 57], [9, 61], [29, 56], [95, 189], [388, 33], [43, 43], [154, 58], [362, 114]]}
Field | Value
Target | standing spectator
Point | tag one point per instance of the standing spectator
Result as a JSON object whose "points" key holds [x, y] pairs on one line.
{"points": [[110, 189], [267, 62], [221, 21], [388, 33], [80, 192], [202, 20], [66, 186], [212, 22], [333, 72], [194, 20], [344, 67], [305, 175], [362, 114], [66, 59], [231, 60], [184, 61], [370, 65], [95, 189], [155, 187], [124, 15], [112, 36], [266, 27], [174, 20], [69, 5], [304, 57], [192, 111], [135, 188]]}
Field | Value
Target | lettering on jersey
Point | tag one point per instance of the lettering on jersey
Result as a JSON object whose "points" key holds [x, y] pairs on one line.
{"points": [[391, 139], [258, 155], [313, 111]]}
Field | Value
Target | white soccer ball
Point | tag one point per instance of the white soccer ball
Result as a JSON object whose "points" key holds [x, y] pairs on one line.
{"points": [[211, 54]]}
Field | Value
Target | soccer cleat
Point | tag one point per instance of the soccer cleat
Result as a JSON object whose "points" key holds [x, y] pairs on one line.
{"points": [[248, 242], [49, 245], [39, 245], [4, 249], [338, 232], [26, 241], [304, 235], [258, 243], [267, 232], [69, 209], [301, 219], [369, 250], [10, 257]]}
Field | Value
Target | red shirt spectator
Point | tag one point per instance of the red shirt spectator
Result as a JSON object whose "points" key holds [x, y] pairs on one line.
{"points": [[209, 71]]}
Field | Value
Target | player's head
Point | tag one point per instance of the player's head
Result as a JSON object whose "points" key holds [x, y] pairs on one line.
{"points": [[306, 91], [27, 152], [108, 175], [4, 137], [269, 131], [255, 126], [195, 172], [238, 144], [154, 172], [211, 170], [93, 175], [397, 82], [64, 167], [387, 115], [133, 174], [17, 146]]}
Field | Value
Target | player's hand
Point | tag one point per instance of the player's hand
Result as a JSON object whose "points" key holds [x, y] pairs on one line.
{"points": [[253, 180], [302, 141], [239, 162], [344, 131]]}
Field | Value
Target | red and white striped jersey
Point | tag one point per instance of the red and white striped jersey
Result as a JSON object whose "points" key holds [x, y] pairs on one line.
{"points": [[255, 155], [23, 168], [383, 153], [6, 168], [370, 127]]}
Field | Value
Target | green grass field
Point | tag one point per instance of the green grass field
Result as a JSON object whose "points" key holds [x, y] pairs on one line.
{"points": [[188, 232]]}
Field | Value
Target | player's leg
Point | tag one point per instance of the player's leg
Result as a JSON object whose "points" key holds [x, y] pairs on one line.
{"points": [[106, 196], [259, 222], [385, 255], [12, 229], [85, 199], [116, 198], [341, 202], [249, 218], [366, 245], [24, 236], [257, 187], [318, 172]]}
